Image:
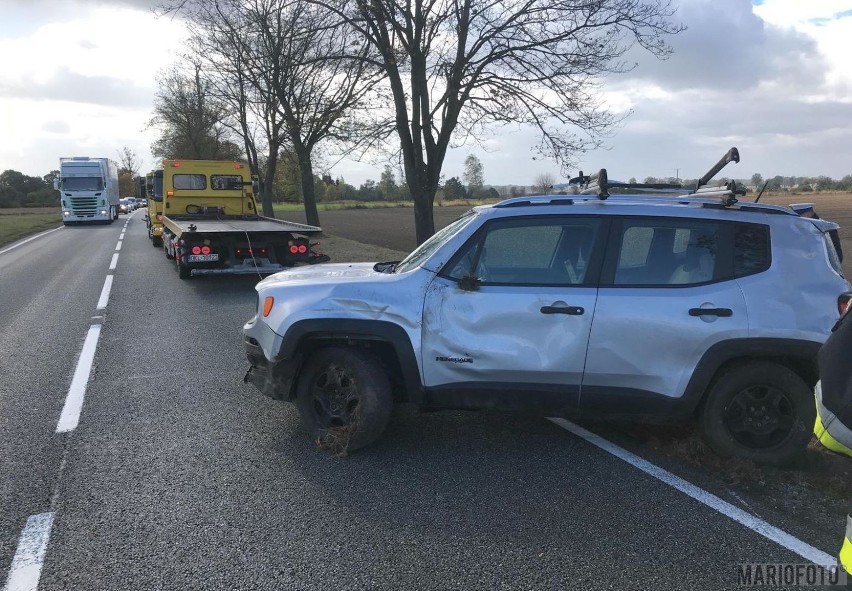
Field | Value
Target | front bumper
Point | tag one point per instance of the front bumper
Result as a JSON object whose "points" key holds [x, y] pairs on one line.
{"points": [[273, 377], [276, 380]]}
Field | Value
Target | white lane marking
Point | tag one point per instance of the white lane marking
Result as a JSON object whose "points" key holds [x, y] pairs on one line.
{"points": [[755, 524], [70, 416], [118, 246], [121, 236], [30, 239], [114, 262], [29, 557], [104, 299]]}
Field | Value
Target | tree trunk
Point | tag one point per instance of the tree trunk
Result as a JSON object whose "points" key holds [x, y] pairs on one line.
{"points": [[306, 171], [424, 199], [267, 181]]}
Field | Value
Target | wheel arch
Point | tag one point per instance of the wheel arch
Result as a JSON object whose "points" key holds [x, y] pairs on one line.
{"points": [[798, 355], [386, 340]]}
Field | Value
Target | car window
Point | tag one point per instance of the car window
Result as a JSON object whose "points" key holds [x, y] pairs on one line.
{"points": [[667, 252], [751, 249], [195, 182], [228, 182], [529, 251]]}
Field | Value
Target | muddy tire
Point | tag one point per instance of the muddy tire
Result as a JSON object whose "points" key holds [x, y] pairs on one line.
{"points": [[760, 411], [344, 398]]}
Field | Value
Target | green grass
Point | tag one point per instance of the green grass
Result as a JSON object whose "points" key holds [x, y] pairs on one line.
{"points": [[14, 227]]}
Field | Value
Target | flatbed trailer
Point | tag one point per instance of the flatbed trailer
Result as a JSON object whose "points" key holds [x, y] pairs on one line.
{"points": [[210, 224]]}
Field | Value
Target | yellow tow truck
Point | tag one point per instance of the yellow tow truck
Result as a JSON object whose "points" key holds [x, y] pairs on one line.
{"points": [[210, 223]]}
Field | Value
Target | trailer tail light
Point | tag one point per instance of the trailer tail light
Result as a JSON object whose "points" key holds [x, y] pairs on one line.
{"points": [[196, 250], [294, 249], [844, 303], [268, 302], [205, 249]]}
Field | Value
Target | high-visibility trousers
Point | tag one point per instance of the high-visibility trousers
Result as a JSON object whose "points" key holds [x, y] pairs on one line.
{"points": [[846, 550], [828, 429]]}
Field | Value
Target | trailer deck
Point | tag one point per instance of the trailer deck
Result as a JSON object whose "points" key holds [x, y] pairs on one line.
{"points": [[226, 224]]}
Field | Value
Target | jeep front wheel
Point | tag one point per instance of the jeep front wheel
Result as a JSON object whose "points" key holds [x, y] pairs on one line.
{"points": [[344, 399], [760, 411]]}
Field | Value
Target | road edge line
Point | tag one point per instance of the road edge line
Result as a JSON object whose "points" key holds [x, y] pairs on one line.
{"points": [[30, 239], [757, 525]]}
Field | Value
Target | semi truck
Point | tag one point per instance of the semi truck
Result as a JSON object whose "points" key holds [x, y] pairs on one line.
{"points": [[211, 225], [88, 189]]}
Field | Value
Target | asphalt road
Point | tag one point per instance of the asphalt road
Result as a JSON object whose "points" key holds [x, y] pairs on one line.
{"points": [[179, 476]]}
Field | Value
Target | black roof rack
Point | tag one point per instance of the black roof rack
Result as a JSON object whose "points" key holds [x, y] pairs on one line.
{"points": [[600, 184]]}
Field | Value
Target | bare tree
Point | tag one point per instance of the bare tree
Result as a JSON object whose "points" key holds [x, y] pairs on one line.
{"points": [[293, 65], [543, 183], [455, 67], [129, 161], [190, 119], [473, 175]]}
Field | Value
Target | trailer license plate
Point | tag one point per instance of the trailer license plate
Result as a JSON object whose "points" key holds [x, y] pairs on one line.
{"points": [[201, 258]]}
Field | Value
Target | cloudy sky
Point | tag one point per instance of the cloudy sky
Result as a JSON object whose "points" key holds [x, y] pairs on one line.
{"points": [[772, 77]]}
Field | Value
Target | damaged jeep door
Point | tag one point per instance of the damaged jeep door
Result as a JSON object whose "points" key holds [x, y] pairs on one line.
{"points": [[512, 312]]}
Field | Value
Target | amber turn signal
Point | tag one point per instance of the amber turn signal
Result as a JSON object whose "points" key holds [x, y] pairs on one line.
{"points": [[267, 305]]}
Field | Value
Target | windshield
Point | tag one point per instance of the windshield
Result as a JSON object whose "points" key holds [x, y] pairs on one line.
{"points": [[83, 183], [425, 250]]}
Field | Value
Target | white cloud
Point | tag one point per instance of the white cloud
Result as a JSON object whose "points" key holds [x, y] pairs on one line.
{"points": [[85, 83], [774, 78]]}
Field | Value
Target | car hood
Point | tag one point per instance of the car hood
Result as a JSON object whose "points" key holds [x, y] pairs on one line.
{"points": [[321, 272]]}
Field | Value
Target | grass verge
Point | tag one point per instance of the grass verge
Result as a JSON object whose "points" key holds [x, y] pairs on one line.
{"points": [[15, 227]]}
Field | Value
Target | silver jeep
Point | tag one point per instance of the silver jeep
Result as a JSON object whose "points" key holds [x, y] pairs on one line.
{"points": [[660, 305]]}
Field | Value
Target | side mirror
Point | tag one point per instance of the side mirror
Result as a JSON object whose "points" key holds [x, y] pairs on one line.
{"points": [[469, 282], [255, 185]]}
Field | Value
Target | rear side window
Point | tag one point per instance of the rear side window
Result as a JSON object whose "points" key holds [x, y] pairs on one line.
{"points": [[226, 182], [833, 256], [658, 252], [752, 252], [193, 182]]}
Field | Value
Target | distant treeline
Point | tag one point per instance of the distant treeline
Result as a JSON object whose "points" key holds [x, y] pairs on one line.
{"points": [[20, 190], [799, 184]]}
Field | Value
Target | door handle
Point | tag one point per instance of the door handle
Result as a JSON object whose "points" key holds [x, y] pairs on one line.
{"points": [[720, 312], [570, 310]]}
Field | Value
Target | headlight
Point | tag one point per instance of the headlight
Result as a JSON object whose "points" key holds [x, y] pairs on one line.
{"points": [[66, 213], [103, 212]]}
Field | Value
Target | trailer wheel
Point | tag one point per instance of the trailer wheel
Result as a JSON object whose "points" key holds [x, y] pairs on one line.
{"points": [[344, 398], [157, 241], [184, 272]]}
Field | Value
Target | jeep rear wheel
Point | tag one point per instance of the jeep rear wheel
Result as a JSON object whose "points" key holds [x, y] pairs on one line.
{"points": [[761, 411], [344, 399]]}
